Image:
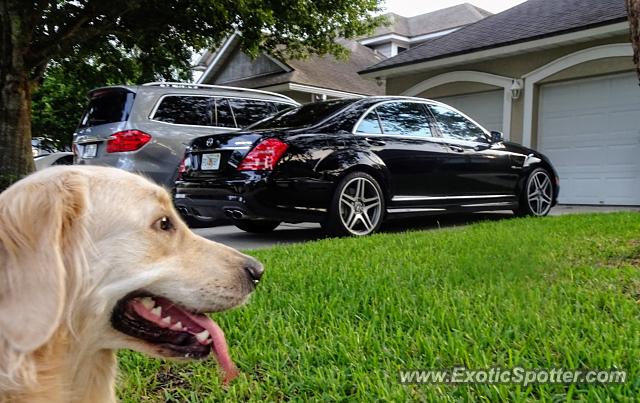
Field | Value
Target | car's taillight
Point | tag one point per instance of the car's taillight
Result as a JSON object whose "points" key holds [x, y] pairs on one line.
{"points": [[127, 140], [264, 156]]}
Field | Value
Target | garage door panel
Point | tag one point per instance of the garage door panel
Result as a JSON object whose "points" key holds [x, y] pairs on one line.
{"points": [[625, 122], [590, 129], [622, 157], [485, 108]]}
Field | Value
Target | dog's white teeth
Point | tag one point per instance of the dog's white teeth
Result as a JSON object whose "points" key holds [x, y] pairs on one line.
{"points": [[202, 336], [157, 311], [167, 320], [148, 302], [177, 326]]}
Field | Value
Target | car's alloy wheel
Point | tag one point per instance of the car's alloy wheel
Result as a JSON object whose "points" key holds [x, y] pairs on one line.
{"points": [[358, 206], [538, 194]]}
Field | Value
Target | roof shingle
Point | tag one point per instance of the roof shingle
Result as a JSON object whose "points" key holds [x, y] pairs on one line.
{"points": [[528, 21], [325, 72], [439, 20]]}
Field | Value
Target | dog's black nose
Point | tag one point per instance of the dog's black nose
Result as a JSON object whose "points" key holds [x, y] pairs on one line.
{"points": [[254, 269]]}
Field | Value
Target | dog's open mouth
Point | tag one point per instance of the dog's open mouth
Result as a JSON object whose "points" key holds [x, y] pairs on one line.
{"points": [[173, 329]]}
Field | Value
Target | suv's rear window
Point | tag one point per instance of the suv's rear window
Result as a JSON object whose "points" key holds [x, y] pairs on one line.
{"points": [[108, 107], [249, 111], [186, 111], [214, 111]]}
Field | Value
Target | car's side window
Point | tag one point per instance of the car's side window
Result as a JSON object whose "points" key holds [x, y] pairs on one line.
{"points": [[404, 118], [223, 115], [453, 125], [282, 107], [370, 124], [248, 111], [185, 110]]}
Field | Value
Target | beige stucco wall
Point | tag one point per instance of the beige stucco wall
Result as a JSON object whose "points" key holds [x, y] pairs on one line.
{"points": [[516, 67], [457, 88], [592, 68]]}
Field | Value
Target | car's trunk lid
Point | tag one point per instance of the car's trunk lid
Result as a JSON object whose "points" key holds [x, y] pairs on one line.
{"points": [[218, 155]]}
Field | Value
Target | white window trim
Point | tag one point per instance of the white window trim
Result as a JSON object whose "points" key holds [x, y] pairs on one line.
{"points": [[377, 40], [534, 77], [477, 77], [223, 49]]}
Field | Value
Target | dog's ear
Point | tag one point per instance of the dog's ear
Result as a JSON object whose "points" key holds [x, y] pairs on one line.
{"points": [[38, 217]]}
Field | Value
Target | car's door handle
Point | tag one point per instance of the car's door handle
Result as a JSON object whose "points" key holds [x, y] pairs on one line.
{"points": [[456, 149], [375, 142]]}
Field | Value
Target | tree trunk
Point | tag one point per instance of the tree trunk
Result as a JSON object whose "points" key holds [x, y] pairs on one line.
{"points": [[633, 10], [16, 159]]}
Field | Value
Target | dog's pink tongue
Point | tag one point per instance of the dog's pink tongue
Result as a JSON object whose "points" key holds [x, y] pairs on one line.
{"points": [[220, 348]]}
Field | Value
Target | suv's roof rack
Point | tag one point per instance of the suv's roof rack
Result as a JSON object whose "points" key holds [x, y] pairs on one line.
{"points": [[220, 87]]}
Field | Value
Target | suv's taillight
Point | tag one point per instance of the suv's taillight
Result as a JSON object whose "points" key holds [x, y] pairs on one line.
{"points": [[182, 168], [264, 156], [127, 140]]}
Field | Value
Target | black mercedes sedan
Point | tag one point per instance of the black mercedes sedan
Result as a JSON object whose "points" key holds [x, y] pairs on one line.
{"points": [[350, 164]]}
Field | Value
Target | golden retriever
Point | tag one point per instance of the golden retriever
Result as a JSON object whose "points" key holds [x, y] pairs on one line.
{"points": [[96, 259]]}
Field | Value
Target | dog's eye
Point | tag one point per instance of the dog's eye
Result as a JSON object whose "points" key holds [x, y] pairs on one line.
{"points": [[165, 224]]}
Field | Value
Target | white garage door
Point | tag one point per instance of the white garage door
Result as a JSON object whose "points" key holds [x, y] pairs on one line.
{"points": [[590, 129], [485, 107]]}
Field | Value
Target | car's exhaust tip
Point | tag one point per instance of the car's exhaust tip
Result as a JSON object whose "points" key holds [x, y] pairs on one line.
{"points": [[235, 214]]}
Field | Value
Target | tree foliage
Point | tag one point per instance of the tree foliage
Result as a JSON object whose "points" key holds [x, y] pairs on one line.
{"points": [[60, 97], [104, 42]]}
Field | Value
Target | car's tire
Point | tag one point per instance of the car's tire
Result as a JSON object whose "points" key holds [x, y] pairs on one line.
{"points": [[536, 198], [357, 207], [256, 226]]}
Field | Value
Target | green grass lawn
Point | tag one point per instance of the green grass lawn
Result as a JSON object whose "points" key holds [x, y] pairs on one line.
{"points": [[336, 319]]}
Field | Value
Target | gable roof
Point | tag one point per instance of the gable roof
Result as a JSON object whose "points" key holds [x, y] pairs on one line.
{"points": [[439, 20], [531, 20], [323, 71]]}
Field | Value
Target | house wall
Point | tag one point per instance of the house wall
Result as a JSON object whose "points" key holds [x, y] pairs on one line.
{"points": [[457, 88], [516, 66], [301, 97], [240, 66]]}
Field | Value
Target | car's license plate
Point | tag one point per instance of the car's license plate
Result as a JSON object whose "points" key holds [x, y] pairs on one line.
{"points": [[89, 151], [210, 162]]}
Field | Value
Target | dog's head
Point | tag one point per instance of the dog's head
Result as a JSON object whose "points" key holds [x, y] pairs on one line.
{"points": [[103, 253]]}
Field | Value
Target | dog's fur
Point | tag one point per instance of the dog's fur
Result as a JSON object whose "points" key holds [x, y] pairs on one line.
{"points": [[73, 242]]}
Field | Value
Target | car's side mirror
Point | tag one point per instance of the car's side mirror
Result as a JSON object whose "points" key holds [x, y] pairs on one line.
{"points": [[497, 137]]}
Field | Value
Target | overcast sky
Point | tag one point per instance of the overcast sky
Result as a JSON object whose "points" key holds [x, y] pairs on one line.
{"points": [[410, 8]]}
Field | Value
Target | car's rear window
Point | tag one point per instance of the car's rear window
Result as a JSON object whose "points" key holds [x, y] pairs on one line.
{"points": [[108, 107], [303, 116]]}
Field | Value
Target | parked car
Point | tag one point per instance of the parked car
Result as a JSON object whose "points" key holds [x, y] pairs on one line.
{"points": [[144, 129], [58, 158], [350, 164]]}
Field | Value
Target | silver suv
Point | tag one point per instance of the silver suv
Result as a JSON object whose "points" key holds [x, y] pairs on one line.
{"points": [[145, 129]]}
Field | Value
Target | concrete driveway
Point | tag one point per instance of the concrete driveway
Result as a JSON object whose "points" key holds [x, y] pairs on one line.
{"points": [[295, 233]]}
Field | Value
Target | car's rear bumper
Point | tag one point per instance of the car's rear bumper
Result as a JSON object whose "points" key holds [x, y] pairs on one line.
{"points": [[253, 197]]}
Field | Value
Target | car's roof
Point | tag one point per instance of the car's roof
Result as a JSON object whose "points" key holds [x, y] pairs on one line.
{"points": [[198, 89], [374, 99]]}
